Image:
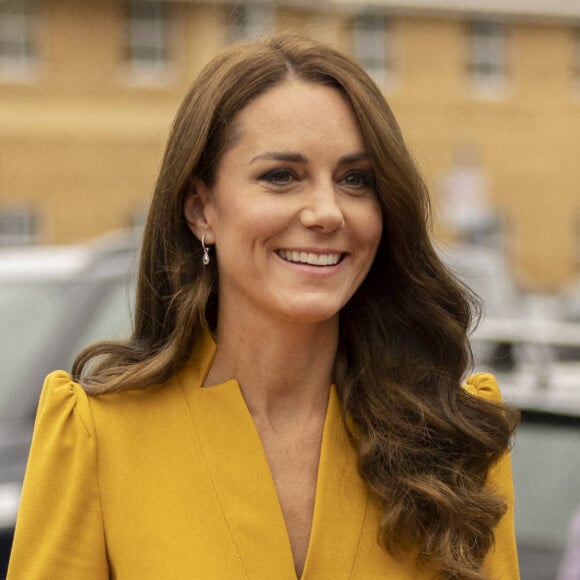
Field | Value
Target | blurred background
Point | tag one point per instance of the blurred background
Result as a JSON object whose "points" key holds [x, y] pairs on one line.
{"points": [[487, 93]]}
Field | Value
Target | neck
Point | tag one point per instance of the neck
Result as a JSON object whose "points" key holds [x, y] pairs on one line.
{"points": [[284, 371]]}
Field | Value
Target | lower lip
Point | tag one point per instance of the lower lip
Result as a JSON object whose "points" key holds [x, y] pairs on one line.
{"points": [[318, 271]]}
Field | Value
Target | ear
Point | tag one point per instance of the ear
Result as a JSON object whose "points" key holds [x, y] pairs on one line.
{"points": [[194, 211]]}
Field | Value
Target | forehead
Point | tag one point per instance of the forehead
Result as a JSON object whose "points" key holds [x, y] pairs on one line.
{"points": [[296, 110]]}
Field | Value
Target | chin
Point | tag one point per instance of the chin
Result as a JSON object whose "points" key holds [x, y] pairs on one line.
{"points": [[311, 314]]}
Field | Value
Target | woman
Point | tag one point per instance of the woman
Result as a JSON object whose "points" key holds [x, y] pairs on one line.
{"points": [[290, 403]]}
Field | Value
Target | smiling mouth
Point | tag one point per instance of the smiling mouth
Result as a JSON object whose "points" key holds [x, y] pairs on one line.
{"points": [[310, 258]]}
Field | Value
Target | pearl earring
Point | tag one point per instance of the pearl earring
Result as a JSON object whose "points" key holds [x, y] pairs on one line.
{"points": [[205, 258]]}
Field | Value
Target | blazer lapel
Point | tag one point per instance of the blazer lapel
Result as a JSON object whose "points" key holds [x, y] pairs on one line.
{"points": [[342, 500], [240, 474], [244, 488]]}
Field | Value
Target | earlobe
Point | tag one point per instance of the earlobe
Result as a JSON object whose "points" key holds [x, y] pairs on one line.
{"points": [[194, 210]]}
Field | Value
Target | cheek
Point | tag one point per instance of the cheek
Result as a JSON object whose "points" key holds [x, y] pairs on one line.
{"points": [[371, 227], [241, 229]]}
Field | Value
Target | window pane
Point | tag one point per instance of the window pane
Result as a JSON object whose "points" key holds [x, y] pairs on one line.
{"points": [[148, 34], [248, 21], [486, 58], [17, 39], [372, 45], [17, 226], [576, 57]]}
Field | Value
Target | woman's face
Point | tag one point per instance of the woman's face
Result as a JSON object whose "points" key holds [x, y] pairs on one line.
{"points": [[293, 213]]}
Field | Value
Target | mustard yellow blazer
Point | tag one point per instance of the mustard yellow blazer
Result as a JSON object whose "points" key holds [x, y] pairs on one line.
{"points": [[172, 483]]}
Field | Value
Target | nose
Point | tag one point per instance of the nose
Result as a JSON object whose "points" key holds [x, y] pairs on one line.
{"points": [[321, 210]]}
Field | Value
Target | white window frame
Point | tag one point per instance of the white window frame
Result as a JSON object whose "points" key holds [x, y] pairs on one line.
{"points": [[148, 50], [18, 38], [18, 226], [373, 46], [487, 55], [249, 21]]}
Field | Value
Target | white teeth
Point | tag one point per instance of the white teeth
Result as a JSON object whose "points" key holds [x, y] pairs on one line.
{"points": [[309, 258]]}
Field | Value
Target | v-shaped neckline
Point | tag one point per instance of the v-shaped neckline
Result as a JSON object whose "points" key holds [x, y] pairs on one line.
{"points": [[245, 490]]}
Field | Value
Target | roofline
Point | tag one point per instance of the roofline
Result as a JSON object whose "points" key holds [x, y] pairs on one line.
{"points": [[568, 9], [519, 9]]}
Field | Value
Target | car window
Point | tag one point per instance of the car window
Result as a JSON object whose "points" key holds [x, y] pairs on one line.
{"points": [[111, 317], [29, 315], [568, 353]]}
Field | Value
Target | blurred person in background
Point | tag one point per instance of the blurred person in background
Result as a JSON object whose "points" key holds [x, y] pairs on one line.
{"points": [[465, 206], [291, 402]]}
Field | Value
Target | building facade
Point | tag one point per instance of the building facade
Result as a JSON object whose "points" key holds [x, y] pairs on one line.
{"points": [[487, 95]]}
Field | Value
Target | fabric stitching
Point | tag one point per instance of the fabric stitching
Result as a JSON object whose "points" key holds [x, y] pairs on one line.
{"points": [[93, 435], [213, 487], [362, 529]]}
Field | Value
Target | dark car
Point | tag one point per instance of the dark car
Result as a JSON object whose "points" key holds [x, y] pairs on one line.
{"points": [[546, 466], [53, 301], [537, 363]]}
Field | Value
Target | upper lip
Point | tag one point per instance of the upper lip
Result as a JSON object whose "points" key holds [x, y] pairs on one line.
{"points": [[317, 251]]}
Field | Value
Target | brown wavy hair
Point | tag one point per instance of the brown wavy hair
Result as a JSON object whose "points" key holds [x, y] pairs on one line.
{"points": [[425, 445]]}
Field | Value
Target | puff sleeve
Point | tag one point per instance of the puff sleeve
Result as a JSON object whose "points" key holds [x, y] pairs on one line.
{"points": [[502, 561], [59, 530]]}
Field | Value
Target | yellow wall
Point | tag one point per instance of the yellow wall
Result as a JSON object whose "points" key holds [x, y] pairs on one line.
{"points": [[81, 142], [528, 138]]}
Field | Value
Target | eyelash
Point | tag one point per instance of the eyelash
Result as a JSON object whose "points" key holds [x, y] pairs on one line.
{"points": [[273, 176], [367, 180]]}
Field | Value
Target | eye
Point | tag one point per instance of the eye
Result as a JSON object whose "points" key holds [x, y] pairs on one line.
{"points": [[279, 177], [358, 179]]}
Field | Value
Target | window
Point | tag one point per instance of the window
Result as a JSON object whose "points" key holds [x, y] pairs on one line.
{"points": [[487, 53], [372, 45], [249, 21], [147, 47], [576, 55], [17, 36], [17, 226]]}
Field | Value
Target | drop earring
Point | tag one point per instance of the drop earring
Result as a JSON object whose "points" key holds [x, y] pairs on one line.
{"points": [[205, 258]]}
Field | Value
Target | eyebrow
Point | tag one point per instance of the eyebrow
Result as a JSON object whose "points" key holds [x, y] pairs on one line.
{"points": [[280, 156], [290, 157]]}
